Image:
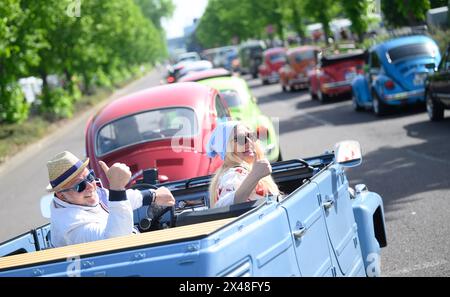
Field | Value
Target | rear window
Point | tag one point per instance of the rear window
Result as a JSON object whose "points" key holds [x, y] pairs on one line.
{"points": [[304, 56], [410, 50], [232, 98], [147, 126]]}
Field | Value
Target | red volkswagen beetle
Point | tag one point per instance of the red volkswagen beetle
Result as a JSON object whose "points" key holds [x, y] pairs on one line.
{"points": [[273, 60], [165, 127], [334, 74]]}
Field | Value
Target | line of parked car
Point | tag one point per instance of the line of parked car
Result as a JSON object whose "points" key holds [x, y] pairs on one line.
{"points": [[402, 71]]}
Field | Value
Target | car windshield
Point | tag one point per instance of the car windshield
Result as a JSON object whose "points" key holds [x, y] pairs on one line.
{"points": [[304, 56], [147, 126], [279, 57], [232, 98], [410, 50]]}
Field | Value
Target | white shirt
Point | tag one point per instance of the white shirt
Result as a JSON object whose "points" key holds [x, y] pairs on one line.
{"points": [[230, 182], [72, 224]]}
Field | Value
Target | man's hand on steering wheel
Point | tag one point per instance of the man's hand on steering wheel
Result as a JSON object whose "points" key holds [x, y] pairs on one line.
{"points": [[164, 197]]}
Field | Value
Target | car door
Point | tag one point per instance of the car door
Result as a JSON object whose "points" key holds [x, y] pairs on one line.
{"points": [[336, 204], [309, 234]]}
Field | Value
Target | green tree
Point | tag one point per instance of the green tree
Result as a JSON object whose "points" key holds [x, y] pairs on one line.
{"points": [[438, 3], [155, 10], [295, 15], [19, 45], [405, 12], [224, 20], [322, 11], [357, 12]]}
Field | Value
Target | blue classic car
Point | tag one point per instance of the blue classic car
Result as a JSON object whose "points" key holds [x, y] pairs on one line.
{"points": [[318, 227], [395, 73]]}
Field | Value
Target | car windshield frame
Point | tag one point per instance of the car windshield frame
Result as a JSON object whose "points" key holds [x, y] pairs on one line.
{"points": [[101, 153]]}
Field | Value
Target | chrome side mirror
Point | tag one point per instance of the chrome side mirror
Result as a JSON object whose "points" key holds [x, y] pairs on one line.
{"points": [[348, 153]]}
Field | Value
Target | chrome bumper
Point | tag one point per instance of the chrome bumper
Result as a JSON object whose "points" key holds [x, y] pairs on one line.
{"points": [[403, 95]]}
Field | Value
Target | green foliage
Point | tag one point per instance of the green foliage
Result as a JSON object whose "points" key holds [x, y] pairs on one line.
{"points": [[357, 12], [41, 38], [13, 107], [322, 11], [438, 3], [155, 10], [56, 103], [442, 37], [405, 12]]}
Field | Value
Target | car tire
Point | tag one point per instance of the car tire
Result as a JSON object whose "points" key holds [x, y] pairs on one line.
{"points": [[321, 96], [254, 75], [378, 106], [355, 104], [435, 109], [283, 88], [265, 82], [313, 95]]}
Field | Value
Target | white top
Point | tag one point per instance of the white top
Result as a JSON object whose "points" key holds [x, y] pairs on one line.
{"points": [[73, 224], [230, 182]]}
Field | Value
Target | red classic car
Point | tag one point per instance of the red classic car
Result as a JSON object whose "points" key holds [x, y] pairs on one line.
{"points": [[273, 60], [165, 127], [334, 74], [300, 61]]}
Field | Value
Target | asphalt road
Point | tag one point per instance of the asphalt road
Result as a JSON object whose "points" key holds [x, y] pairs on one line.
{"points": [[405, 159]]}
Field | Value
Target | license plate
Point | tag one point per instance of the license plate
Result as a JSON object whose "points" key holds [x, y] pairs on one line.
{"points": [[419, 79], [350, 75]]}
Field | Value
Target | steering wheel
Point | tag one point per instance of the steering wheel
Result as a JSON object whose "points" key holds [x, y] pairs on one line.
{"points": [[154, 212]]}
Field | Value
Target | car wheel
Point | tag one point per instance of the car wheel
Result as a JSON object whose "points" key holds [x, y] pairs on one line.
{"points": [[321, 96], [379, 108], [265, 82], [313, 95], [283, 88], [355, 104], [435, 110], [254, 75]]}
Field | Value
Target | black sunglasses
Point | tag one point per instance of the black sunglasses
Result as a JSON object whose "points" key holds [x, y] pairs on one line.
{"points": [[243, 139], [81, 186]]}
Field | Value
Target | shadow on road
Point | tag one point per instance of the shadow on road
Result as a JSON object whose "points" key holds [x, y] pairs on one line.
{"points": [[399, 173], [341, 114], [278, 96]]}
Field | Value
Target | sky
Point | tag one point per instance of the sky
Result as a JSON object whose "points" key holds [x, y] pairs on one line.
{"points": [[184, 14]]}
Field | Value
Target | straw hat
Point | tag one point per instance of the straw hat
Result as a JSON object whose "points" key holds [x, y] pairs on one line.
{"points": [[62, 168]]}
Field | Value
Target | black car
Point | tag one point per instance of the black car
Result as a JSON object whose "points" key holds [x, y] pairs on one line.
{"points": [[438, 89], [250, 57]]}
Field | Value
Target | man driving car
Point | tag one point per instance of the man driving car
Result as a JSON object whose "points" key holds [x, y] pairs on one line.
{"points": [[81, 211]]}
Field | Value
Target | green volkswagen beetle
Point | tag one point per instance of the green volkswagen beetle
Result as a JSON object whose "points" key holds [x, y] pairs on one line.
{"points": [[243, 107]]}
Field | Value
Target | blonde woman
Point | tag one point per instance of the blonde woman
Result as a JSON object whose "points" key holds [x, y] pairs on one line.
{"points": [[245, 172]]}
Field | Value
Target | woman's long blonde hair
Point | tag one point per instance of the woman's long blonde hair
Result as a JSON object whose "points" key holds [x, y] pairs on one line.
{"points": [[232, 160]]}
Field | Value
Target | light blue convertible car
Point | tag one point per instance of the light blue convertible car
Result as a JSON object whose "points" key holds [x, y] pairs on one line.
{"points": [[318, 227], [395, 74]]}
